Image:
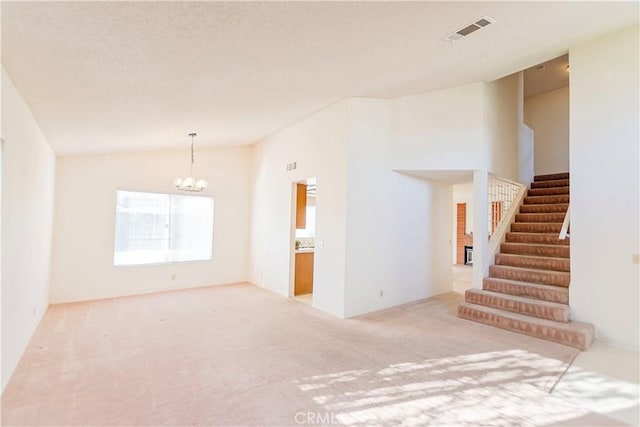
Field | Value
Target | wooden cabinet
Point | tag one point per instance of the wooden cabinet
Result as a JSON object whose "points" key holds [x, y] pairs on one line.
{"points": [[301, 206], [304, 273]]}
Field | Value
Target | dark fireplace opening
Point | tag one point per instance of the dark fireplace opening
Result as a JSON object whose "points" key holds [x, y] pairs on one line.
{"points": [[468, 255]]}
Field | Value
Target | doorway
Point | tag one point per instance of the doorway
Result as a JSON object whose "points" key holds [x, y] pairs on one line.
{"points": [[303, 241], [462, 236]]}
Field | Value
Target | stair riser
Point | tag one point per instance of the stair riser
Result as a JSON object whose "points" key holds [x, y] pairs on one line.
{"points": [[542, 277], [555, 251], [570, 338], [551, 177], [538, 263], [556, 208], [536, 238], [551, 294], [540, 217], [525, 227], [559, 314], [546, 200], [550, 183], [551, 191]]}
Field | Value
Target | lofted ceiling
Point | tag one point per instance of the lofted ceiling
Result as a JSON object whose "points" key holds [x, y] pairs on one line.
{"points": [[121, 76], [548, 76]]}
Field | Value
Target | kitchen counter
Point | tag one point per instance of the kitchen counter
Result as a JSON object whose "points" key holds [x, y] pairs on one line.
{"points": [[305, 250]]}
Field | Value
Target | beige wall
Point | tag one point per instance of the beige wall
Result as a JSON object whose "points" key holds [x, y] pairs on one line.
{"points": [[28, 173], [547, 115], [84, 229]]}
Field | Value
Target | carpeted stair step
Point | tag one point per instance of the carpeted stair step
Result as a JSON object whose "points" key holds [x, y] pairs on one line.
{"points": [[551, 191], [536, 238], [554, 208], [534, 262], [574, 334], [546, 200], [524, 289], [517, 304], [527, 289], [555, 251], [536, 227], [540, 217], [551, 177], [550, 183], [543, 277]]}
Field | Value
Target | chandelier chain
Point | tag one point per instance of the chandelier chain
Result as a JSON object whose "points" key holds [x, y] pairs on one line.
{"points": [[192, 156], [189, 184]]}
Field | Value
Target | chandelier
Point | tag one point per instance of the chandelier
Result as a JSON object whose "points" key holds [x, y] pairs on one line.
{"points": [[189, 184]]}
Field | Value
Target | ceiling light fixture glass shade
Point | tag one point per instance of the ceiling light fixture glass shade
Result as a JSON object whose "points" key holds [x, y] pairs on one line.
{"points": [[189, 184]]}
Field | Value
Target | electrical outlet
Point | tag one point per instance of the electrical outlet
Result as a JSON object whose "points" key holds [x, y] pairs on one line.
{"points": [[381, 293], [173, 276]]}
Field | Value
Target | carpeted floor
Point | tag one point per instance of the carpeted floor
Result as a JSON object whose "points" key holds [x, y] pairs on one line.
{"points": [[240, 355]]}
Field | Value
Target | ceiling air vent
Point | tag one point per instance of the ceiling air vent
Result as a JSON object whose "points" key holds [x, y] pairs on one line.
{"points": [[471, 28]]}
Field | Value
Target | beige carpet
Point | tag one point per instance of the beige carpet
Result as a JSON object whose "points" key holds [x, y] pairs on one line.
{"points": [[240, 355]]}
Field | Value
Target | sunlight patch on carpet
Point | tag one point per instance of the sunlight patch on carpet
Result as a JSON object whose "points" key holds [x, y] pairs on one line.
{"points": [[495, 388]]}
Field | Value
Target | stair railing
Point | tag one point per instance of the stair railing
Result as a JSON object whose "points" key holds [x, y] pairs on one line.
{"points": [[565, 225], [502, 193], [504, 199]]}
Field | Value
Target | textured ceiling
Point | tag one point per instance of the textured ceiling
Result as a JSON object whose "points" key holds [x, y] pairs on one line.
{"points": [[115, 76]]}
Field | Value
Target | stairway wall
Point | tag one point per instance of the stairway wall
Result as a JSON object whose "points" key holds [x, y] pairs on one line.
{"points": [[605, 189], [502, 102], [547, 115]]}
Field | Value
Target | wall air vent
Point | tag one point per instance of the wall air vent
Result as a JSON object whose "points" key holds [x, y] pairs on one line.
{"points": [[479, 24]]}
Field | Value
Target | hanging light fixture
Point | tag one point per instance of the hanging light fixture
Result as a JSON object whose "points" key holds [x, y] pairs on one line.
{"points": [[189, 184]]}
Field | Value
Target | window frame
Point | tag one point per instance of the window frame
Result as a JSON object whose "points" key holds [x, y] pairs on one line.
{"points": [[148, 264]]}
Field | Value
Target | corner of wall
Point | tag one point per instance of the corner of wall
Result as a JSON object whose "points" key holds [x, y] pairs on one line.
{"points": [[28, 158]]}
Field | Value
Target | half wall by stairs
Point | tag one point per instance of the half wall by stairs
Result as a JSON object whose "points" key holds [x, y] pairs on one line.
{"points": [[527, 290]]}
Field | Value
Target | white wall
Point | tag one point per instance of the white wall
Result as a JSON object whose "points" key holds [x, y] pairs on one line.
{"points": [[319, 146], [471, 127], [501, 104], [605, 188], [443, 129], [28, 174], [547, 115], [85, 221], [397, 224], [525, 139], [383, 231], [462, 193]]}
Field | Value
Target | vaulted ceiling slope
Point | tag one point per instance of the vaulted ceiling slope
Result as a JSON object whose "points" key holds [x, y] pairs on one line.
{"points": [[119, 76]]}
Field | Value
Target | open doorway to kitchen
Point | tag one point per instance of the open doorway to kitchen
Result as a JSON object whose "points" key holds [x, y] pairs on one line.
{"points": [[303, 241]]}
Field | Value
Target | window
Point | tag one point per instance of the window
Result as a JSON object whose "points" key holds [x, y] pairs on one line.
{"points": [[157, 228]]}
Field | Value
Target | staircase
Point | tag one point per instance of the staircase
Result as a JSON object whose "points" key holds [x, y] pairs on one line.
{"points": [[527, 290]]}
